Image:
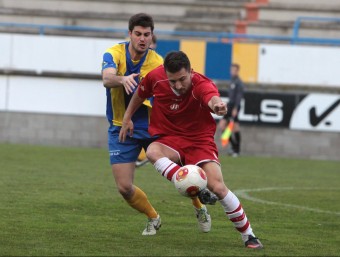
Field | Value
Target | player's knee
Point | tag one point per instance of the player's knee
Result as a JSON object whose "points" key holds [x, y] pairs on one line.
{"points": [[126, 190], [218, 188], [152, 154]]}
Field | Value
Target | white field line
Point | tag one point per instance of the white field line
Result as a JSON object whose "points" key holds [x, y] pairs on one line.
{"points": [[243, 193]]}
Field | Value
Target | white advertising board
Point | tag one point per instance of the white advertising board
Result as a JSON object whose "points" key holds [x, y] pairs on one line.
{"points": [[317, 112], [59, 96], [299, 65], [55, 53], [3, 93], [5, 51]]}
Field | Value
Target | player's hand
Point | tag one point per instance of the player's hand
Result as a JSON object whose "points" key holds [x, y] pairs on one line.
{"points": [[220, 108], [129, 83], [126, 129]]}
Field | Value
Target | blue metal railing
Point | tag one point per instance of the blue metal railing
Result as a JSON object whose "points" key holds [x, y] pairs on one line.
{"points": [[43, 27], [296, 27], [293, 39]]}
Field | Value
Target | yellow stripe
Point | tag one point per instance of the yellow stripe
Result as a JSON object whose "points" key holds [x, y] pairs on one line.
{"points": [[118, 105], [196, 51], [246, 55]]}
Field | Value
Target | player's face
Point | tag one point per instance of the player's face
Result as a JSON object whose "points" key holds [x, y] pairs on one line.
{"points": [[233, 71], [140, 39], [180, 81]]}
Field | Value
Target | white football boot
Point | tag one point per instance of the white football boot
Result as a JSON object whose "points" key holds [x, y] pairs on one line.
{"points": [[152, 226], [203, 218]]}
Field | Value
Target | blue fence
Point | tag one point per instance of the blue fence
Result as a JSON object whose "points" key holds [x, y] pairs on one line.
{"points": [[296, 28], [293, 39]]}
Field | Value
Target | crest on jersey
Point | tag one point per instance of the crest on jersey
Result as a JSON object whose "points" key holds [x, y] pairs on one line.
{"points": [[174, 107]]}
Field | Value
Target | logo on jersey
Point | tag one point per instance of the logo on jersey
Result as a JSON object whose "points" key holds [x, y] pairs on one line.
{"points": [[104, 64], [174, 107]]}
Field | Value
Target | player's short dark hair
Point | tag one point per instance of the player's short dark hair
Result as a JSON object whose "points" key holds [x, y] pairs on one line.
{"points": [[175, 61], [141, 19], [154, 39], [236, 65]]}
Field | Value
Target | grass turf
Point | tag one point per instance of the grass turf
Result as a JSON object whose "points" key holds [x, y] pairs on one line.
{"points": [[63, 202]]}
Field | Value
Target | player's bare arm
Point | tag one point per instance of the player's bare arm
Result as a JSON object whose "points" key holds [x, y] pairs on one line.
{"points": [[111, 80], [127, 124], [217, 106]]}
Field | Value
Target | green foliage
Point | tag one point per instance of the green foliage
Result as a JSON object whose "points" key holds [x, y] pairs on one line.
{"points": [[63, 202]]}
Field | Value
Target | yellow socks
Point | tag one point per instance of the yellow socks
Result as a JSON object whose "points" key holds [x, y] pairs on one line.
{"points": [[196, 202], [140, 202], [142, 155]]}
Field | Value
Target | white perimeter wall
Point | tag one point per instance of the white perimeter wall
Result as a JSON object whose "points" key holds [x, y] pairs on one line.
{"points": [[304, 65], [52, 95], [53, 53], [279, 64]]}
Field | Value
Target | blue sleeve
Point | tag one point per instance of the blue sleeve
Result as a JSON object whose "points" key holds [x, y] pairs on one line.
{"points": [[108, 62]]}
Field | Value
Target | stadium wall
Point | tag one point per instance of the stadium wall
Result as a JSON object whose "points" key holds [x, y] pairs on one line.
{"points": [[91, 131], [260, 63], [69, 111]]}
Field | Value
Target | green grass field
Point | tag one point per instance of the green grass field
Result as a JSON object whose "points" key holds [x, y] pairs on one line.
{"points": [[63, 202]]}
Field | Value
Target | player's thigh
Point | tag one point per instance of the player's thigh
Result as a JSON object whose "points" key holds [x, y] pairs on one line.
{"points": [[197, 152], [222, 124], [215, 178], [236, 127], [123, 174], [122, 160], [159, 149]]}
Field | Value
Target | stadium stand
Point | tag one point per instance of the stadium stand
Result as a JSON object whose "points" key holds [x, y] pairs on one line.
{"points": [[254, 17], [277, 17], [168, 15]]}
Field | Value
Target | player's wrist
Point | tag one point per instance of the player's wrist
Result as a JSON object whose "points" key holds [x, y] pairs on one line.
{"points": [[126, 120], [121, 80]]}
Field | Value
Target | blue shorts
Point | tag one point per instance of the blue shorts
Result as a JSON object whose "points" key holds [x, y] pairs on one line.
{"points": [[128, 151]]}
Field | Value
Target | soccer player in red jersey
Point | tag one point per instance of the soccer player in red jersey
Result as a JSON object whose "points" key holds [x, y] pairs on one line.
{"points": [[181, 118]]}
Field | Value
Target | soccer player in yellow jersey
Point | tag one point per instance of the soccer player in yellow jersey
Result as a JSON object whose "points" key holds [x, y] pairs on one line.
{"points": [[124, 65], [142, 159]]}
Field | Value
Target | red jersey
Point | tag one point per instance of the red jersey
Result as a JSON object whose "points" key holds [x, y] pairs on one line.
{"points": [[184, 115]]}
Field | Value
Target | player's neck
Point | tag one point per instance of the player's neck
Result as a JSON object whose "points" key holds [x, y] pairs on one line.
{"points": [[134, 55]]}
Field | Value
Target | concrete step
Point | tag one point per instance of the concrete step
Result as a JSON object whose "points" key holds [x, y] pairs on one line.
{"points": [[285, 28], [228, 27], [287, 11], [287, 14], [134, 6], [318, 3], [91, 18]]}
